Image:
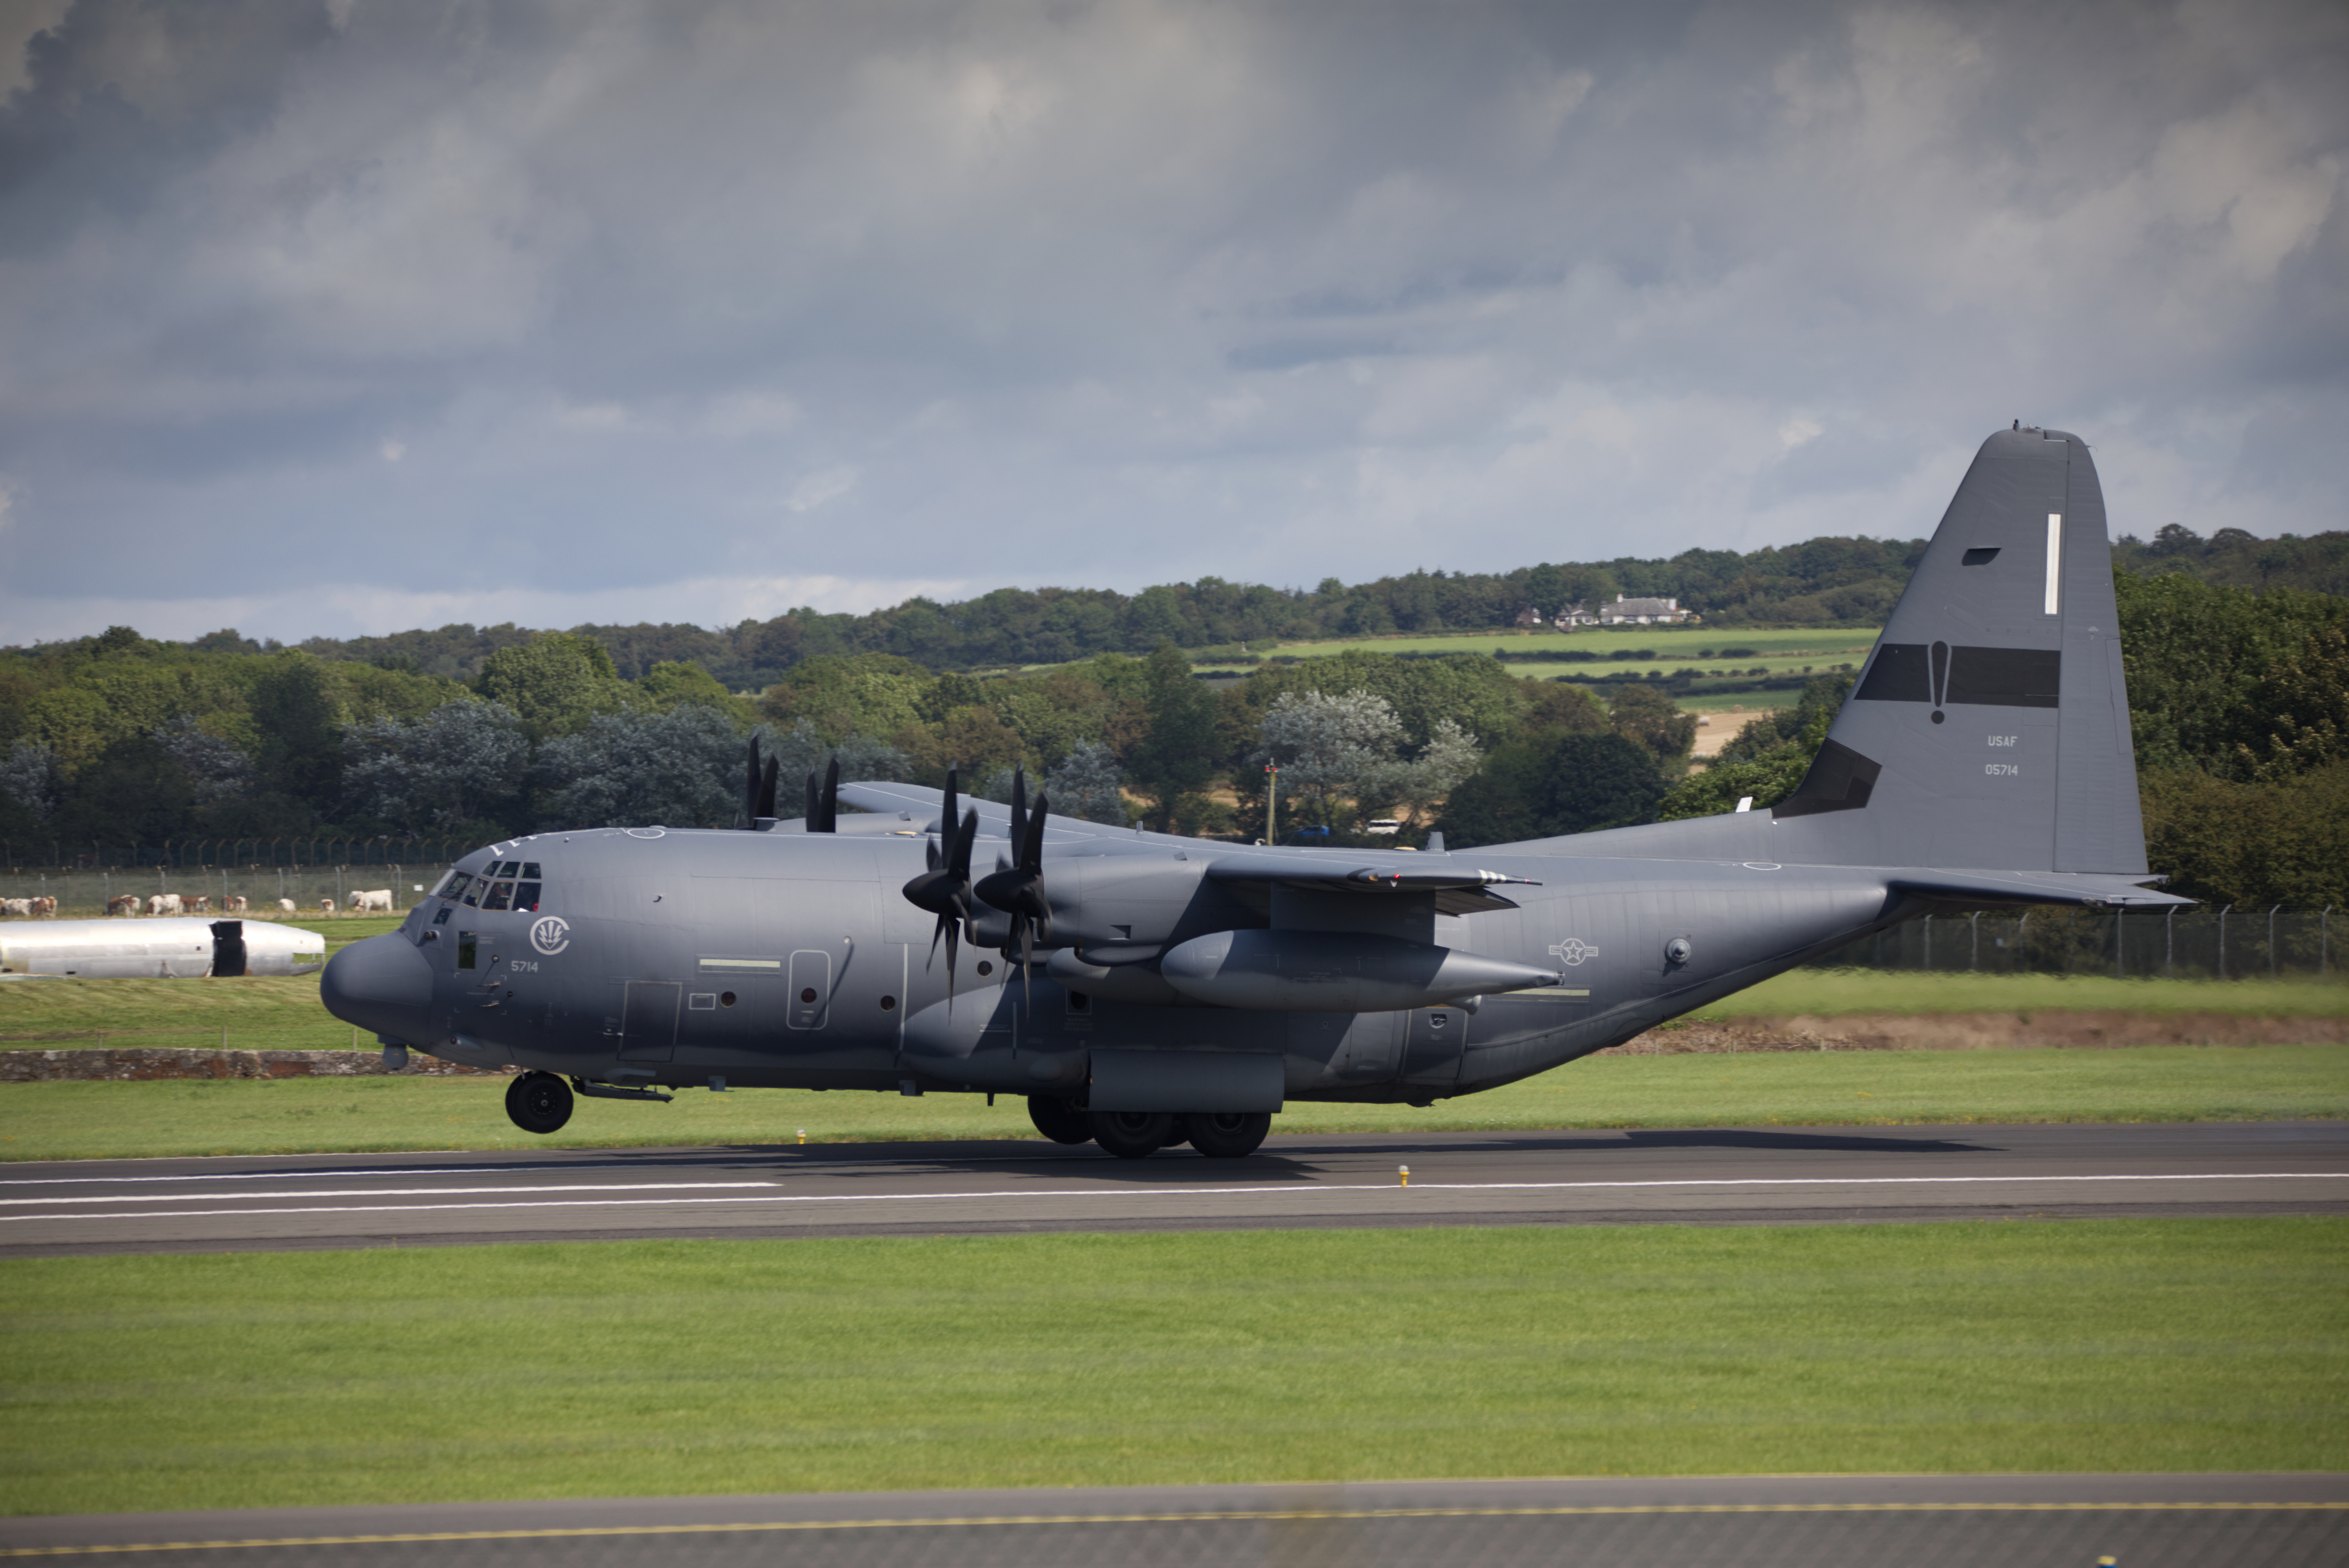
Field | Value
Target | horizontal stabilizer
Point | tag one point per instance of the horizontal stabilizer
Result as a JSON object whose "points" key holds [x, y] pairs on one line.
{"points": [[2033, 887]]}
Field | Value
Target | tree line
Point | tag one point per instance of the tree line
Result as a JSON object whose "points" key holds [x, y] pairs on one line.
{"points": [[2238, 703]]}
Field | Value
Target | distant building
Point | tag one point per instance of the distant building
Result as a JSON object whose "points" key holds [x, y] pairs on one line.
{"points": [[1641, 612], [1575, 615], [1529, 616]]}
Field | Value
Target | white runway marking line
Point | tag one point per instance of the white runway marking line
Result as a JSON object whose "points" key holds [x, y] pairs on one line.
{"points": [[1300, 1189], [395, 1193]]}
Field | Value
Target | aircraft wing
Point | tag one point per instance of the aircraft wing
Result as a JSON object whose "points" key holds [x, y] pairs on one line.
{"points": [[923, 804], [1457, 889]]}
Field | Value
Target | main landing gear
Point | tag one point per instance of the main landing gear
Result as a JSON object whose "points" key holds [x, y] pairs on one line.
{"points": [[1138, 1134], [539, 1102]]}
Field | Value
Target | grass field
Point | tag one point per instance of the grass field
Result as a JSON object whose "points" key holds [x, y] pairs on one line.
{"points": [[1826, 992], [283, 1012], [1679, 643], [80, 1121], [677, 1367]]}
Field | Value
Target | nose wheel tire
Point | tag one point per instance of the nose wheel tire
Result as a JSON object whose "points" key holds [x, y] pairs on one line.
{"points": [[1059, 1120], [1226, 1134], [539, 1102], [1132, 1134]]}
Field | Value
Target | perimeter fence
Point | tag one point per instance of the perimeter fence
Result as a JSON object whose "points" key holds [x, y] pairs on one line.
{"points": [[2199, 944]]}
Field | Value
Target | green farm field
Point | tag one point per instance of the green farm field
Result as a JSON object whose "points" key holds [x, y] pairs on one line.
{"points": [[1679, 643], [274, 1379], [103, 1120]]}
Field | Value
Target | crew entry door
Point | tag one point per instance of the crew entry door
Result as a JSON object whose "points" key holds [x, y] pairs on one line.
{"points": [[649, 1020], [810, 999]]}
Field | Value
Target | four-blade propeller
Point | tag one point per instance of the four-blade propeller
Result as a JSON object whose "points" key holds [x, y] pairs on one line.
{"points": [[1018, 889], [944, 889]]}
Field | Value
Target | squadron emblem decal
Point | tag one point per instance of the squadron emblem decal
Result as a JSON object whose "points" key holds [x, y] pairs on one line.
{"points": [[1573, 951], [549, 934]]}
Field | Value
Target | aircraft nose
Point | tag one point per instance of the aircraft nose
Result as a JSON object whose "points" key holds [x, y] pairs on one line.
{"points": [[381, 983]]}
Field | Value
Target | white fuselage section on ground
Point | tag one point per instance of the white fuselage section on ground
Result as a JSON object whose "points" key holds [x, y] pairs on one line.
{"points": [[164, 949]]}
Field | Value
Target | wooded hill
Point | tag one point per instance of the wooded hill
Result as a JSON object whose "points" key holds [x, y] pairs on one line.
{"points": [[1819, 582]]}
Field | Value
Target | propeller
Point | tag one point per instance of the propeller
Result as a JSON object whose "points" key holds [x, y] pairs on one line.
{"points": [[766, 812], [1018, 889], [823, 804], [944, 889]]}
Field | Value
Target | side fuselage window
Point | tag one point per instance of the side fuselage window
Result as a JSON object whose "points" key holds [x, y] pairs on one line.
{"points": [[468, 948]]}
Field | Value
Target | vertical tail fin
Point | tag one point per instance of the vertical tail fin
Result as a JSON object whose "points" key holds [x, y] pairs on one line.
{"points": [[1990, 726]]}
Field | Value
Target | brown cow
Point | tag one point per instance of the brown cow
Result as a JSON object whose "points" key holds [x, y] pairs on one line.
{"points": [[123, 904]]}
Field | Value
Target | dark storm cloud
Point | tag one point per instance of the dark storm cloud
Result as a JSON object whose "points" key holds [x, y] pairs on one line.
{"points": [[364, 313]]}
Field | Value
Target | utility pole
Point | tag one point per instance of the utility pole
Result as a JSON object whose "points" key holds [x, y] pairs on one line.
{"points": [[1271, 802]]}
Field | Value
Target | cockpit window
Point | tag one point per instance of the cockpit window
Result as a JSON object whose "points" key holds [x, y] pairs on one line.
{"points": [[526, 895], [528, 871], [454, 883], [501, 896], [473, 894], [507, 869]]}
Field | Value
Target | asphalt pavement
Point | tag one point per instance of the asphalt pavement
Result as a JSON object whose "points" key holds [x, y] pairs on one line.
{"points": [[1711, 1176], [1816, 1521]]}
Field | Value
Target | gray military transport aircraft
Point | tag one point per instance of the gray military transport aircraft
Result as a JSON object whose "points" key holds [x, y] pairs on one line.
{"points": [[1141, 989]]}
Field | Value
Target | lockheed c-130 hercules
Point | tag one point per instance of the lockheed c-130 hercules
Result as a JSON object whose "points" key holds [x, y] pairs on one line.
{"points": [[1141, 989]]}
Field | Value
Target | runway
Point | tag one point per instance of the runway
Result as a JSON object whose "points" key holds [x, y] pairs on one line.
{"points": [[1708, 1176], [1829, 1521]]}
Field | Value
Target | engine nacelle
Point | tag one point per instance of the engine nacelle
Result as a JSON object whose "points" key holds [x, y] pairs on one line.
{"points": [[1335, 971]]}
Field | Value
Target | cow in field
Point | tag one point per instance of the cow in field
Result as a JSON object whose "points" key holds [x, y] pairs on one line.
{"points": [[45, 906], [381, 898], [163, 903], [123, 904], [284, 906], [325, 906], [196, 903], [234, 904], [16, 906]]}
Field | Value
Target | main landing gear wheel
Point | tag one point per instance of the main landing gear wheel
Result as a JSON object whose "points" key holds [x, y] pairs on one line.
{"points": [[1226, 1134], [539, 1102], [1132, 1134], [1059, 1120]]}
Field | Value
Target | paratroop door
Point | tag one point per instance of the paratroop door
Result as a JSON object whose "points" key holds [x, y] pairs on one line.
{"points": [[648, 1021]]}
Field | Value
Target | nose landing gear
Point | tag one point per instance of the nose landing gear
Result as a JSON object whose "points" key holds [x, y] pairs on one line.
{"points": [[539, 1102]]}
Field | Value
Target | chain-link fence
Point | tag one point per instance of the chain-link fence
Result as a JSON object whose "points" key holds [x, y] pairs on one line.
{"points": [[2201, 943], [81, 894], [268, 873]]}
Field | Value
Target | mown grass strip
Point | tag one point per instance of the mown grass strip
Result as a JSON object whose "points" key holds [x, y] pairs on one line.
{"points": [[261, 1116], [280, 1379], [283, 1012], [1826, 993]]}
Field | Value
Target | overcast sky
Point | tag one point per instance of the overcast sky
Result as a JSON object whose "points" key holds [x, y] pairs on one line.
{"points": [[346, 316]]}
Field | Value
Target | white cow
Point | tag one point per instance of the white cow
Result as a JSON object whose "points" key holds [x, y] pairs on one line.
{"points": [[381, 898], [285, 906], [163, 903], [123, 904], [234, 904], [325, 906], [23, 906]]}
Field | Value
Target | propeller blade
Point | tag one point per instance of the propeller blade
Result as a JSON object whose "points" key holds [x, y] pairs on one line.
{"points": [[749, 786], [810, 801], [830, 800], [766, 804], [1018, 808]]}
